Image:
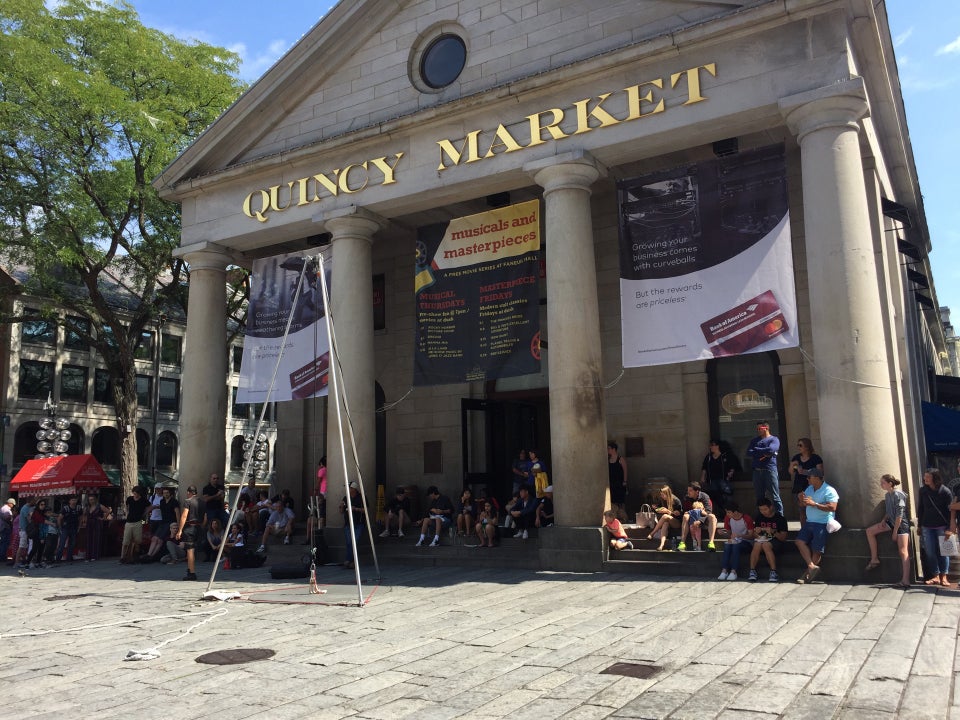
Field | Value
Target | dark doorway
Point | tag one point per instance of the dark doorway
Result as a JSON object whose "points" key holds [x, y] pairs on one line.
{"points": [[492, 434]]}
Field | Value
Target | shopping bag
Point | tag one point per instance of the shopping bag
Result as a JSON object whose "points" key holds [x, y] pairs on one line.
{"points": [[949, 546]]}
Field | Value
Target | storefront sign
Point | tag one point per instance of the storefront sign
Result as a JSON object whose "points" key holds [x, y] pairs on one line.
{"points": [[477, 294], [551, 125], [706, 266]]}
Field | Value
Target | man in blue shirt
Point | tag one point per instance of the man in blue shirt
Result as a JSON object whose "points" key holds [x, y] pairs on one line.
{"points": [[820, 501], [763, 451]]}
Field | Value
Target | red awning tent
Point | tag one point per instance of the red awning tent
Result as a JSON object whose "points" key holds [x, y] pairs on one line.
{"points": [[62, 475]]}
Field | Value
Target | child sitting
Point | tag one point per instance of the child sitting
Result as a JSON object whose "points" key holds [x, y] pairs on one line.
{"points": [[695, 517], [619, 539], [740, 527]]}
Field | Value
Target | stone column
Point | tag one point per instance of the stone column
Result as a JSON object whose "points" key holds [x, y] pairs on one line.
{"points": [[351, 301], [577, 420], [203, 414], [854, 394], [696, 411]]}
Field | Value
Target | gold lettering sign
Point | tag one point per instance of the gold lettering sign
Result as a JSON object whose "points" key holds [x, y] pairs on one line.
{"points": [[642, 100]]}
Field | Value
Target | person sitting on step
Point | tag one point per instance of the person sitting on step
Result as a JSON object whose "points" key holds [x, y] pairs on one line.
{"points": [[280, 523], [696, 494], [618, 536], [440, 515]]}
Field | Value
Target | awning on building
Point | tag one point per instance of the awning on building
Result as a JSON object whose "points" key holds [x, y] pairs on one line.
{"points": [[941, 428], [144, 479], [61, 475]]}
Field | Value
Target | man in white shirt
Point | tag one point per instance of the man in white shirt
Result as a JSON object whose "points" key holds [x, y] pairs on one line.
{"points": [[280, 522]]}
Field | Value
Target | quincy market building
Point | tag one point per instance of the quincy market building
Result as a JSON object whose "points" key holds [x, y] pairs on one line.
{"points": [[390, 117]]}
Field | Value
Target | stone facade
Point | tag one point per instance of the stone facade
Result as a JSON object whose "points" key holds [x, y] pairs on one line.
{"points": [[342, 142]]}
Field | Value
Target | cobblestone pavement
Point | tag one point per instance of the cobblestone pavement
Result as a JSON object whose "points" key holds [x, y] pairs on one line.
{"points": [[465, 643]]}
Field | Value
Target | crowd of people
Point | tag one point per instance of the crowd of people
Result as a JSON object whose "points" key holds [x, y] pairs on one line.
{"points": [[692, 521], [177, 528], [157, 526]]}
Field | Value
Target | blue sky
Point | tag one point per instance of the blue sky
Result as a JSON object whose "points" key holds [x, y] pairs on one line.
{"points": [[928, 54]]}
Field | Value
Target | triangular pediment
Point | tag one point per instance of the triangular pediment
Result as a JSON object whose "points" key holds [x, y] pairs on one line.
{"points": [[355, 70]]}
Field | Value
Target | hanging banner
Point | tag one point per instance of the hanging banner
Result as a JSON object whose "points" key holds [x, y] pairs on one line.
{"points": [[706, 265], [478, 297], [305, 356]]}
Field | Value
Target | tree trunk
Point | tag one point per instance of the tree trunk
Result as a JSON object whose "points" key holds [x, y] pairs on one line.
{"points": [[125, 396]]}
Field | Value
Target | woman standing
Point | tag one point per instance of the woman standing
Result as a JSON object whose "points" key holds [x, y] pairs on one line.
{"points": [[896, 523], [934, 519], [800, 465], [95, 514], [668, 516], [617, 467]]}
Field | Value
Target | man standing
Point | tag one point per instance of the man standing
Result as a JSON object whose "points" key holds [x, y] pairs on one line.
{"points": [[69, 522], [708, 519], [187, 530], [6, 526], [213, 495], [617, 467], [820, 501], [763, 451], [716, 476], [137, 507]]}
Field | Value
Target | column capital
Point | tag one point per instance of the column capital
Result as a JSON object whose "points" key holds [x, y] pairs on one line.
{"points": [[352, 221], [840, 105], [205, 256], [576, 170]]}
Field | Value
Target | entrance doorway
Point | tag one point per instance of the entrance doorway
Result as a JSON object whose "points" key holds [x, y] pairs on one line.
{"points": [[492, 434]]}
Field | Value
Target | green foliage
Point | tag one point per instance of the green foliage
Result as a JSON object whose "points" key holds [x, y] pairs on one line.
{"points": [[93, 106]]}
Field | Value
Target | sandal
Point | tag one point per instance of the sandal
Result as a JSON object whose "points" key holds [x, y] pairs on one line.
{"points": [[872, 565], [932, 581]]}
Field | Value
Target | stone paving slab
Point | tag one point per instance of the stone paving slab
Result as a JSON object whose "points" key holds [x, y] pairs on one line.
{"points": [[453, 642]]}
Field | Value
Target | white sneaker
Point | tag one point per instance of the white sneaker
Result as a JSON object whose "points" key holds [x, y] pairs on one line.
{"points": [[399, 533], [732, 575], [525, 535], [386, 533], [419, 543], [286, 540], [436, 541], [262, 548], [723, 576]]}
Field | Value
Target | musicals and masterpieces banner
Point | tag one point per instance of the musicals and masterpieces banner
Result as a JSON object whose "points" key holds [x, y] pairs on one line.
{"points": [[706, 268], [306, 357], [478, 297]]}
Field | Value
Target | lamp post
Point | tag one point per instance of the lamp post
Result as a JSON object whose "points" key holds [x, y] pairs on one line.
{"points": [[157, 358], [54, 432]]}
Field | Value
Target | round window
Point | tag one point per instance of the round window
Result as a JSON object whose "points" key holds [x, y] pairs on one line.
{"points": [[443, 61]]}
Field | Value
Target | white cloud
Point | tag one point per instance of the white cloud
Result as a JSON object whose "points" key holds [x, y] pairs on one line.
{"points": [[253, 67], [902, 37], [950, 48]]}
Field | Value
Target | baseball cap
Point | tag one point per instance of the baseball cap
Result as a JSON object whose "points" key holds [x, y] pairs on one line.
{"points": [[354, 485], [10, 501], [548, 488], [815, 472]]}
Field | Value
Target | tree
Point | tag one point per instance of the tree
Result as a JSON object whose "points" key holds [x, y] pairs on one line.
{"points": [[93, 105]]}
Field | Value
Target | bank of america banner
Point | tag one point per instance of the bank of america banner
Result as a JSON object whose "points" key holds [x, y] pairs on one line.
{"points": [[478, 299], [305, 360], [706, 268]]}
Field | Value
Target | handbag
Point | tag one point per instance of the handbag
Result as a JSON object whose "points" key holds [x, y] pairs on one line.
{"points": [[949, 546], [646, 518]]}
